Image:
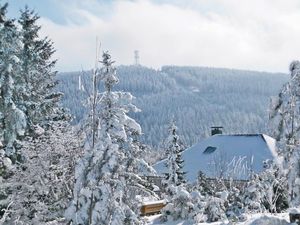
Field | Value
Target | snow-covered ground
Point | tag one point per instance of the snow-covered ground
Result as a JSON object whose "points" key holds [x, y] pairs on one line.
{"points": [[254, 219]]}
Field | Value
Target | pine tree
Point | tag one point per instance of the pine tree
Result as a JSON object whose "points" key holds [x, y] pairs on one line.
{"points": [[174, 163], [108, 174], [285, 121]]}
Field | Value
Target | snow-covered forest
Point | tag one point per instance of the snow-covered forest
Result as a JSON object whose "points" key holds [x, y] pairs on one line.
{"points": [[197, 97], [80, 148]]}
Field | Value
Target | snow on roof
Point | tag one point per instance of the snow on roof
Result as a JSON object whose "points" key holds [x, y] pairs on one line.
{"points": [[154, 202], [226, 156]]}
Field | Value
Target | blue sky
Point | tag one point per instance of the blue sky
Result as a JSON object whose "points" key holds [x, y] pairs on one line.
{"points": [[256, 35], [46, 8]]}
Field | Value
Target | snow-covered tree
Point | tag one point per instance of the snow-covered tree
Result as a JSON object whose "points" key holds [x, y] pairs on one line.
{"points": [[109, 170], [41, 186], [285, 121], [39, 99], [27, 80], [174, 162], [12, 116]]}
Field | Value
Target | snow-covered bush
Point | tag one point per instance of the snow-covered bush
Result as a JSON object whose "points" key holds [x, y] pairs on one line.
{"points": [[234, 205], [6, 169], [5, 164], [253, 197], [41, 186], [199, 204], [266, 191], [184, 205], [205, 186], [215, 209], [224, 195], [180, 205], [275, 194]]}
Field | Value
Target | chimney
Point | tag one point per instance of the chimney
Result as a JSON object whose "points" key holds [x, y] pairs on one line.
{"points": [[216, 130]]}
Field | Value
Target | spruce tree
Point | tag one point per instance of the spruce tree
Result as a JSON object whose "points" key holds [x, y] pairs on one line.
{"points": [[285, 121], [174, 163], [12, 115], [40, 99], [28, 99], [108, 175]]}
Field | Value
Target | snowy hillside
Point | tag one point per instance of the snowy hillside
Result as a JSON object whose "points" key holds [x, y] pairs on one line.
{"points": [[226, 156], [198, 97]]}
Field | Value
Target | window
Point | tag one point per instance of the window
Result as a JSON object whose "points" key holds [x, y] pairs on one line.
{"points": [[209, 150]]}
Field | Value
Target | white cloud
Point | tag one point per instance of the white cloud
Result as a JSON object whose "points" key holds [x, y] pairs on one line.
{"points": [[256, 35]]}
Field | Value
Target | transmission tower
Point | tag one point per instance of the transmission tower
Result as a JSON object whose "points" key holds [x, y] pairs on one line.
{"points": [[136, 58]]}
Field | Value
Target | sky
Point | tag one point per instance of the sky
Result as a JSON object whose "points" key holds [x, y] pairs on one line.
{"points": [[259, 35]]}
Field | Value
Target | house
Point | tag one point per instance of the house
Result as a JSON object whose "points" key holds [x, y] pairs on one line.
{"points": [[226, 156]]}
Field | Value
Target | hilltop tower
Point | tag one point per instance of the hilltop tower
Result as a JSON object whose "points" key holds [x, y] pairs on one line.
{"points": [[136, 58]]}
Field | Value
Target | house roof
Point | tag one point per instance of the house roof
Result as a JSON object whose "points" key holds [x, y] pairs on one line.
{"points": [[226, 156]]}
